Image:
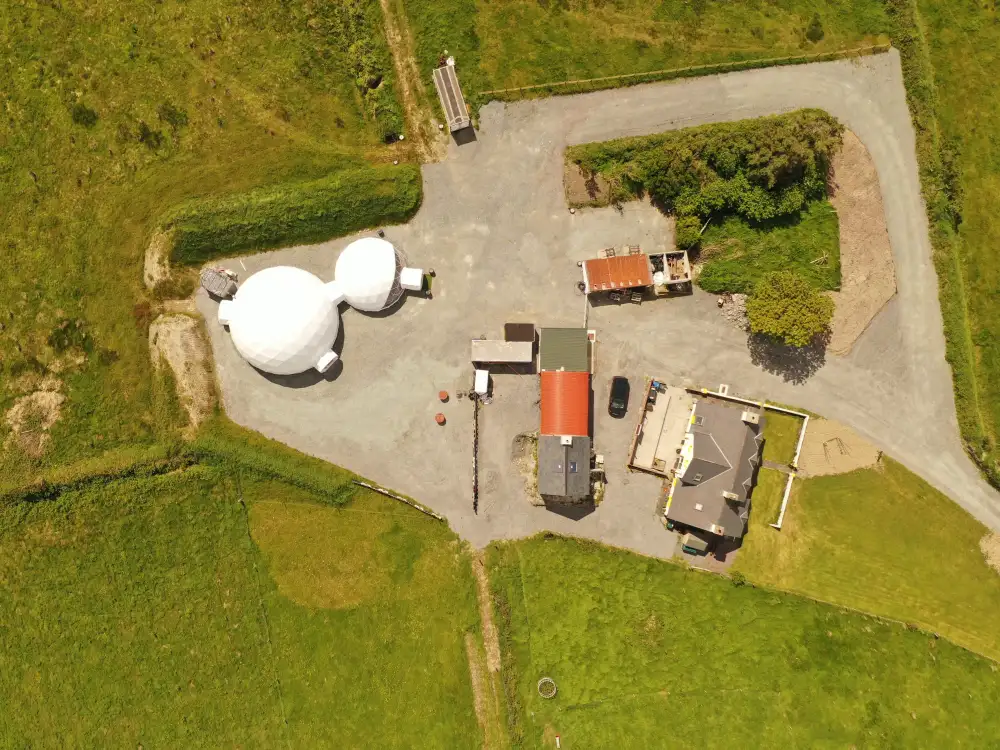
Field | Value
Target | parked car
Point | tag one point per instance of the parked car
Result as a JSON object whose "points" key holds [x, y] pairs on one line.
{"points": [[618, 402]]}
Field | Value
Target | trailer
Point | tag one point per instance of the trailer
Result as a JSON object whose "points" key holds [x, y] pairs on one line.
{"points": [[450, 94]]}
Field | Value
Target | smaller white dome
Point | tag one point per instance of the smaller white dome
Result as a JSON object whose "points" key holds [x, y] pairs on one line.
{"points": [[367, 273], [283, 321]]}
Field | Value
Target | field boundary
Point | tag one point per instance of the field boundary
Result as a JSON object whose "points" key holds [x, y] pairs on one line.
{"points": [[665, 74], [943, 214]]}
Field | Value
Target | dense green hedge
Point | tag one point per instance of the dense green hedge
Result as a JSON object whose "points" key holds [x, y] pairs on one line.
{"points": [[759, 169], [293, 213], [240, 451]]}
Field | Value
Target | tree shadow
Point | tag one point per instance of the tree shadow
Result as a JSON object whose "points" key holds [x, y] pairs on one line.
{"points": [[793, 363]]}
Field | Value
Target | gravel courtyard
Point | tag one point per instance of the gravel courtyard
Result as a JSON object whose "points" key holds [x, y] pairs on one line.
{"points": [[495, 227]]}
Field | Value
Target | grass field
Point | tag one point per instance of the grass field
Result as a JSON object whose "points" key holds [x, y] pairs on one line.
{"points": [[144, 614], [649, 654], [781, 435], [116, 112], [884, 541], [516, 43], [963, 40], [737, 254]]}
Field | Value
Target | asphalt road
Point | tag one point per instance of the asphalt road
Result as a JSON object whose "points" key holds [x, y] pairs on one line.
{"points": [[494, 225]]}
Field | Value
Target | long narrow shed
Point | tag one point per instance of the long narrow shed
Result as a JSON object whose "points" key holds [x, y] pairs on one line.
{"points": [[622, 272], [450, 94]]}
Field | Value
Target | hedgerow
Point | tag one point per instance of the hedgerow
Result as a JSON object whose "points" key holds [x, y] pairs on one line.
{"points": [[292, 213], [760, 169]]}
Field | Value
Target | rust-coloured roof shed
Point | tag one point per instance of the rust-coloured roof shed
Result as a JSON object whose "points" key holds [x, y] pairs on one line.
{"points": [[622, 272], [565, 403]]}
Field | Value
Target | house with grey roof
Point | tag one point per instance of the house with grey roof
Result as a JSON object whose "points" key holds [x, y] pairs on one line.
{"points": [[717, 468]]}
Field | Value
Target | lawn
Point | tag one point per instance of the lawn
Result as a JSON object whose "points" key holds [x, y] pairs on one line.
{"points": [[781, 436], [767, 494], [737, 253], [648, 654], [884, 541], [520, 42], [143, 613], [116, 113]]}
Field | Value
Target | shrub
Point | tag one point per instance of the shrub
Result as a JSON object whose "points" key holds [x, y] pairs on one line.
{"points": [[688, 232], [173, 116], [293, 213], [815, 31], [786, 307], [83, 115]]}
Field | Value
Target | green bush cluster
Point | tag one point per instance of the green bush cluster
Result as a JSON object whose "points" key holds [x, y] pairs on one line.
{"points": [[786, 307], [760, 169], [291, 213]]}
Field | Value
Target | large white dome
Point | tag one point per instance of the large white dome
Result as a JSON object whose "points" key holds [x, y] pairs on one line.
{"points": [[283, 321], [368, 274]]}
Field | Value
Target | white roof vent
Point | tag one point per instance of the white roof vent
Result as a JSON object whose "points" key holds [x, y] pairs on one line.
{"points": [[751, 417], [730, 495], [566, 440]]}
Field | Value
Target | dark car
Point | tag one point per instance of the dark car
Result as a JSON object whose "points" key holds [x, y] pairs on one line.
{"points": [[618, 403]]}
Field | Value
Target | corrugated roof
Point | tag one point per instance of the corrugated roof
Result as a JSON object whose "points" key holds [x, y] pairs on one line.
{"points": [[450, 94], [566, 403], [564, 349], [620, 272]]}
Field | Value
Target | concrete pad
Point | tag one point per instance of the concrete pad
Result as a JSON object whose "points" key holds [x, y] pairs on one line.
{"points": [[495, 227]]}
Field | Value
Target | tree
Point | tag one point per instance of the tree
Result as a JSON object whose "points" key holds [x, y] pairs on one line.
{"points": [[784, 306], [815, 31]]}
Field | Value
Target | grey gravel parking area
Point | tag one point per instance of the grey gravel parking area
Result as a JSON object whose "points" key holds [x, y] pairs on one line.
{"points": [[495, 227]]}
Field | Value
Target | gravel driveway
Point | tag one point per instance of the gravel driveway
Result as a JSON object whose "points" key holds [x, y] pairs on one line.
{"points": [[495, 227]]}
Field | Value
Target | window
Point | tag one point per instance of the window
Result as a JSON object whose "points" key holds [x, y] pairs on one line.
{"points": [[572, 467], [699, 421], [697, 478], [699, 506]]}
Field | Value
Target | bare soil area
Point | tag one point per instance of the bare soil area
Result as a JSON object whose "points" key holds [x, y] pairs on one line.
{"points": [[831, 448], [32, 416], [178, 340], [156, 264], [584, 190], [524, 457], [990, 545], [867, 273], [429, 143]]}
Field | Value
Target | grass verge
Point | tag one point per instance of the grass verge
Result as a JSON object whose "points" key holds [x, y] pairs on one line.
{"points": [[880, 540], [627, 640]]}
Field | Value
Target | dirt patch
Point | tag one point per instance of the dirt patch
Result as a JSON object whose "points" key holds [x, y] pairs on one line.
{"points": [[583, 189], [867, 273], [491, 640], [831, 448], [178, 340], [479, 686], [156, 264], [429, 142], [990, 545], [32, 416], [734, 310], [524, 457]]}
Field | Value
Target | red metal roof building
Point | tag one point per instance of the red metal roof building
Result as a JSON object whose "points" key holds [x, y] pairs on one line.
{"points": [[565, 403], [620, 272]]}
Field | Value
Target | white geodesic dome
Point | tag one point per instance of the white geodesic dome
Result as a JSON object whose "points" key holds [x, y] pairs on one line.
{"points": [[368, 274], [283, 320]]}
